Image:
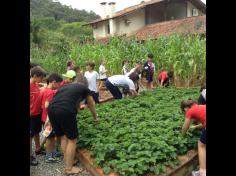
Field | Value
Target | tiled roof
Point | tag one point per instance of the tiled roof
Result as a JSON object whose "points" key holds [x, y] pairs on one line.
{"points": [[187, 25], [198, 3]]}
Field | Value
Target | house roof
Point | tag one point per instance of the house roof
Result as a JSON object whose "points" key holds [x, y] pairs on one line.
{"points": [[187, 25], [198, 3]]}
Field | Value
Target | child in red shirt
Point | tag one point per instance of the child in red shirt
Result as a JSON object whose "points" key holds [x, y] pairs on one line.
{"points": [[164, 78], [53, 83], [37, 75], [198, 113]]}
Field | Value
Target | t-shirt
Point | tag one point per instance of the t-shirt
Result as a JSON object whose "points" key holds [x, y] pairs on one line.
{"points": [[92, 78], [46, 95], [35, 100], [69, 97], [163, 76], [203, 93], [102, 74], [122, 80], [198, 113], [149, 67]]}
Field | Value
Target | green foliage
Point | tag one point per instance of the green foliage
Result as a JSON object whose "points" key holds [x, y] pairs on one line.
{"points": [[183, 54], [48, 8], [133, 139], [76, 30]]}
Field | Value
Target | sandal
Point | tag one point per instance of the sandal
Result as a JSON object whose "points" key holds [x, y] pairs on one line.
{"points": [[74, 171]]}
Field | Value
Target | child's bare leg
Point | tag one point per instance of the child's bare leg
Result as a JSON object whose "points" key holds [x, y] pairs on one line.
{"points": [[37, 142], [202, 155], [50, 144]]}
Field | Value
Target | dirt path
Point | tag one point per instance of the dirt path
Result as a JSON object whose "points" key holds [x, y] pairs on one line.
{"points": [[50, 169]]}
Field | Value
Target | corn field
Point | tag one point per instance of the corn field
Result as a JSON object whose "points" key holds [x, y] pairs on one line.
{"points": [[183, 54]]}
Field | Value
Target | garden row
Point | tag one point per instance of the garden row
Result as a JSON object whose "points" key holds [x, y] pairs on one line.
{"points": [[138, 135]]}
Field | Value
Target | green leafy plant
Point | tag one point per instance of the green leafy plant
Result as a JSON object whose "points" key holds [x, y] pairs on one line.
{"points": [[138, 135]]}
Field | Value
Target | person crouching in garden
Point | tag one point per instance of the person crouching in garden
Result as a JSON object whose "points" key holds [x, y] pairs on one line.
{"points": [[137, 69], [127, 83], [193, 111], [164, 78], [62, 112]]}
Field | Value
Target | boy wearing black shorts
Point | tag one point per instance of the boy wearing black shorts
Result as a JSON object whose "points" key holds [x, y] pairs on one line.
{"points": [[62, 112], [37, 75]]}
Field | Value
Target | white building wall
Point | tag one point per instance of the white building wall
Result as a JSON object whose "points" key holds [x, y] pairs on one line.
{"points": [[137, 20]]}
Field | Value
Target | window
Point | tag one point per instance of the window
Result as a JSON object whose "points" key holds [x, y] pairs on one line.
{"points": [[108, 29]]}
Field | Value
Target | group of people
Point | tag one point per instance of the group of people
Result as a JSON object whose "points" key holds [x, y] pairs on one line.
{"points": [[55, 106]]}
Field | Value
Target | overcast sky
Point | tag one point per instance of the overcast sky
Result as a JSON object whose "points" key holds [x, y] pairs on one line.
{"points": [[94, 5]]}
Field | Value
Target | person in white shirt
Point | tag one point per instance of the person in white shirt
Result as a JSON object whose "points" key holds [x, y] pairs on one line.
{"points": [[202, 97], [102, 74], [127, 83], [125, 68], [92, 78]]}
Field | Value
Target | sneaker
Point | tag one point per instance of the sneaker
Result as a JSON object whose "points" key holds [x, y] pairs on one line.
{"points": [[33, 161], [195, 173], [57, 154], [40, 152], [52, 160]]}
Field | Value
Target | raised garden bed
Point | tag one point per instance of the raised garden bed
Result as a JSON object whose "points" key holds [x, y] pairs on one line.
{"points": [[188, 162], [139, 135]]}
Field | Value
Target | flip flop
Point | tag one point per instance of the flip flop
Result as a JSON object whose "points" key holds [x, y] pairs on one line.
{"points": [[72, 173]]}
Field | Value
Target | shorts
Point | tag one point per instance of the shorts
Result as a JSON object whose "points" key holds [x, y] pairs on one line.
{"points": [[203, 136], [35, 125], [115, 91], [63, 122], [95, 96], [201, 100], [149, 77], [103, 79]]}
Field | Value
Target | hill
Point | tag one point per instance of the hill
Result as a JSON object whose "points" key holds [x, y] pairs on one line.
{"points": [[54, 9]]}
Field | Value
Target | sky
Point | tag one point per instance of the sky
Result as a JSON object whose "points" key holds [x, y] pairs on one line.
{"points": [[95, 6]]}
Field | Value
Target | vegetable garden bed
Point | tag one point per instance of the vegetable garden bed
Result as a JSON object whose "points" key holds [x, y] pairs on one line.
{"points": [[139, 135], [188, 163]]}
